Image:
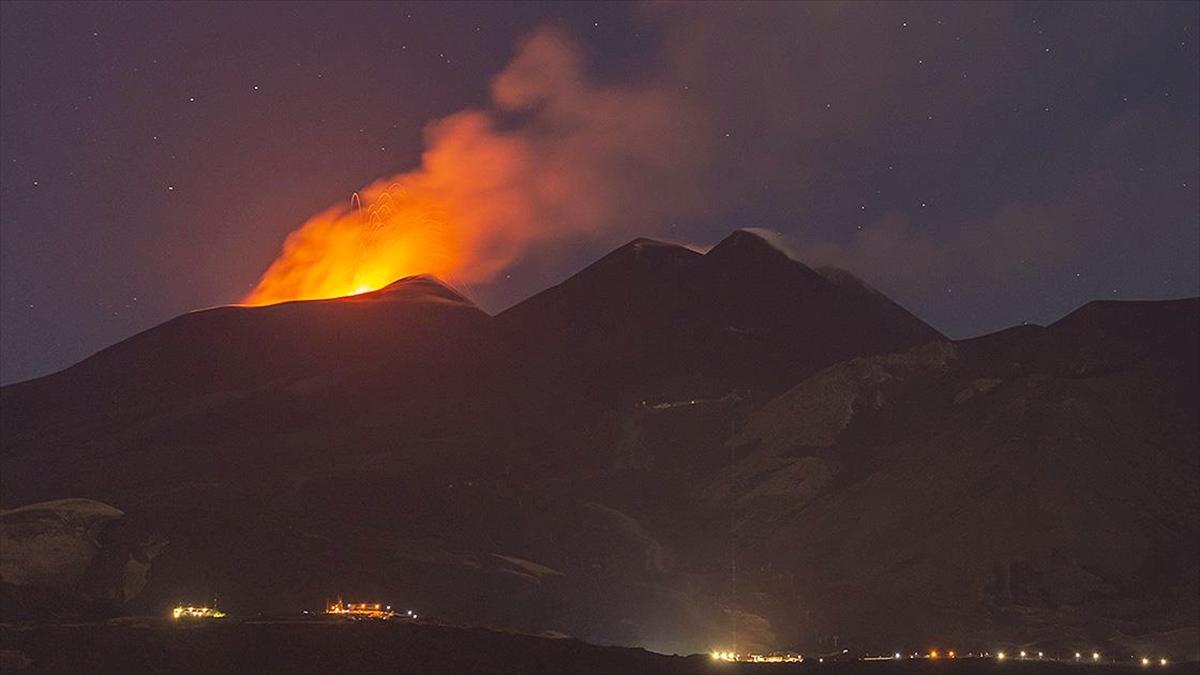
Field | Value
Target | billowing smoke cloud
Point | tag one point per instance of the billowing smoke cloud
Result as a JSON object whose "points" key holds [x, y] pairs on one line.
{"points": [[554, 157], [938, 151]]}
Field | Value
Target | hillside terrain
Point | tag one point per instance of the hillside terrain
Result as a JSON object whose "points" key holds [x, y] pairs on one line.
{"points": [[589, 461]]}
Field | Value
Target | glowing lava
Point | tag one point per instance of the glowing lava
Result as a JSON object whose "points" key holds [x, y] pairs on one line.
{"points": [[585, 162], [359, 248]]}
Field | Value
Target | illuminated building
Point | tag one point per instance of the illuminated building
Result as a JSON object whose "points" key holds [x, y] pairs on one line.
{"points": [[189, 612], [776, 657], [361, 610]]}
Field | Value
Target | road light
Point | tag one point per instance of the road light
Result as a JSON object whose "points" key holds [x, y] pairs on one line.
{"points": [[1022, 653], [999, 656], [1145, 661], [1095, 656], [1162, 662]]}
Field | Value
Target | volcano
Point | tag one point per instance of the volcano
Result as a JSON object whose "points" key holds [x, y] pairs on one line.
{"points": [[573, 464]]}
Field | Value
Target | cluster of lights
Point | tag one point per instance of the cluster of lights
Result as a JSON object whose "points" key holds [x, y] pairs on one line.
{"points": [[776, 658], [363, 610], [1095, 657], [189, 612], [724, 656]]}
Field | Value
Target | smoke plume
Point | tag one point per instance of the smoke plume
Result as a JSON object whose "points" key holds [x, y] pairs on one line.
{"points": [[553, 157]]}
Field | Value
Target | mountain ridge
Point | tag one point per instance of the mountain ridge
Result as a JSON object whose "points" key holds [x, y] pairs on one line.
{"points": [[413, 450]]}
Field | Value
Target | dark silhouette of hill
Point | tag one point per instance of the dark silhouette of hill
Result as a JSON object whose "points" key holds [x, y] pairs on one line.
{"points": [[565, 465]]}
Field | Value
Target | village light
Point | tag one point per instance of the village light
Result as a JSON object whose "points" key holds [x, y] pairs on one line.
{"points": [[897, 655], [1095, 656], [1022, 653], [1145, 661], [999, 656], [1078, 656], [1162, 662], [189, 612]]}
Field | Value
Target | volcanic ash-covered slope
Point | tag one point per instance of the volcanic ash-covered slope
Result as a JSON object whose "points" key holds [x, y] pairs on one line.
{"points": [[403, 444], [653, 317], [1034, 485], [563, 466], [157, 411]]}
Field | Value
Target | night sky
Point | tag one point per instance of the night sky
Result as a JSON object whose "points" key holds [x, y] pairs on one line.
{"points": [[983, 164]]}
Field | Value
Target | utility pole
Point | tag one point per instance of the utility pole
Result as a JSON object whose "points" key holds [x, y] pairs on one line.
{"points": [[732, 531]]}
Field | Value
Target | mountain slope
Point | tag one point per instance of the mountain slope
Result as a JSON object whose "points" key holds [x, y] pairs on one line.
{"points": [[1036, 485], [742, 315], [565, 465]]}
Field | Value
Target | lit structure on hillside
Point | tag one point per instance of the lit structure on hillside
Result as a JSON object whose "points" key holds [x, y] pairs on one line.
{"points": [[189, 612], [361, 610], [776, 657], [772, 657]]}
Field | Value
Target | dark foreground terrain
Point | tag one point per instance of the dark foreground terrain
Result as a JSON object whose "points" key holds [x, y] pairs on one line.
{"points": [[593, 461], [147, 645]]}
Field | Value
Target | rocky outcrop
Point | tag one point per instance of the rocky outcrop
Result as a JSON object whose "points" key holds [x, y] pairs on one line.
{"points": [[71, 557]]}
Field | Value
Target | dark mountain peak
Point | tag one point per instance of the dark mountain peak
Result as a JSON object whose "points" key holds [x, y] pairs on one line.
{"points": [[644, 252], [637, 273], [416, 288], [752, 246]]}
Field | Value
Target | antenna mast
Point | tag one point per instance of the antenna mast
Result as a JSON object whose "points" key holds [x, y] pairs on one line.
{"points": [[732, 531]]}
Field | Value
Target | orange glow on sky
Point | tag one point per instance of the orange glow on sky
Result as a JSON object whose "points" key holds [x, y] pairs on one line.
{"points": [[352, 249]]}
